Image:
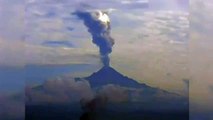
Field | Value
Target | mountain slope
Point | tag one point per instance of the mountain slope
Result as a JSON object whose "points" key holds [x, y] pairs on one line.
{"points": [[136, 91]]}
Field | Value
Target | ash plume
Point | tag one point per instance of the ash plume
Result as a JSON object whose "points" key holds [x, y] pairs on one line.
{"points": [[98, 24]]}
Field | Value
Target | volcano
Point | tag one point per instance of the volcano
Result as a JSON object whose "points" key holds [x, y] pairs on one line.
{"points": [[139, 94], [108, 75], [125, 99]]}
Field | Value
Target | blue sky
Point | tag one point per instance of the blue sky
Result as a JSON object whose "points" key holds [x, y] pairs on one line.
{"points": [[154, 36], [44, 32], [50, 20]]}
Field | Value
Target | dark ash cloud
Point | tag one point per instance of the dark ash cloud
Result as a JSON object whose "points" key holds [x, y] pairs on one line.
{"points": [[98, 25]]}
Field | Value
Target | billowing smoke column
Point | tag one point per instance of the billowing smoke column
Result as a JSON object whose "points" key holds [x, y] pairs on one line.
{"points": [[98, 25]]}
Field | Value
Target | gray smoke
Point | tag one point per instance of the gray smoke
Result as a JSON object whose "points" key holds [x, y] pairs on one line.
{"points": [[98, 25]]}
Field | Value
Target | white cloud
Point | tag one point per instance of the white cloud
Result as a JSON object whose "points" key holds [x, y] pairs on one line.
{"points": [[60, 91], [115, 93], [159, 39]]}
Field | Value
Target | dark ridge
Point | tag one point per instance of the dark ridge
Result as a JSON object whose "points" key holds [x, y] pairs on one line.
{"points": [[72, 112]]}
